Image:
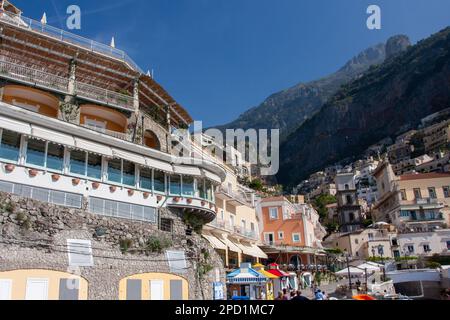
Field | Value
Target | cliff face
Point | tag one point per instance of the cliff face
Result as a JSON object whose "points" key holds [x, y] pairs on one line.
{"points": [[288, 109], [405, 88]]}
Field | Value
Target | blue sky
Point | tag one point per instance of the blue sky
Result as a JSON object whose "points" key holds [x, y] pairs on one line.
{"points": [[218, 58]]}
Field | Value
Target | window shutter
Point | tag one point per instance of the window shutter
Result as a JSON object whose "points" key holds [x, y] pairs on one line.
{"points": [[80, 253], [134, 289], [69, 289], [177, 261]]}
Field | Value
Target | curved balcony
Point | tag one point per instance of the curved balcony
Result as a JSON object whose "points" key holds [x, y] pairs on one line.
{"points": [[201, 208], [31, 99], [104, 120]]}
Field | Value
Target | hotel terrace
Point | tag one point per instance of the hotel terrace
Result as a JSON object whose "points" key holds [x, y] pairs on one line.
{"points": [[83, 127], [81, 118]]}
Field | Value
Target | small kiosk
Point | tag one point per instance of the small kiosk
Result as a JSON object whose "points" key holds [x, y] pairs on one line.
{"points": [[245, 283], [282, 281], [269, 288]]}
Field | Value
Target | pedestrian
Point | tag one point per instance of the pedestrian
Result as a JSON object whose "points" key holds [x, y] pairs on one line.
{"points": [[292, 295], [299, 297], [318, 295], [285, 294], [325, 296], [280, 296], [263, 295]]}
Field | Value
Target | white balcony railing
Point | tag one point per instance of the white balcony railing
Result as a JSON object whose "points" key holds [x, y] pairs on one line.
{"points": [[36, 77], [67, 37], [115, 134], [103, 95], [225, 225], [32, 76]]}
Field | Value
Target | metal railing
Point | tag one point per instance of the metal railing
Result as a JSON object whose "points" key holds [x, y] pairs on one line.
{"points": [[64, 36], [225, 225], [36, 77], [103, 95], [115, 134], [33, 76]]}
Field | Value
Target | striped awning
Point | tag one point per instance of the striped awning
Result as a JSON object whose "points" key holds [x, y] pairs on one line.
{"points": [[215, 243], [231, 245], [14, 125]]}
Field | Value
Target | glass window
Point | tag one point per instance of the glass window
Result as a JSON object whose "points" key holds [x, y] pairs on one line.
{"points": [[78, 162], [145, 178], [10, 145], [296, 237], [55, 156], [446, 192], [432, 193], [94, 166], [115, 170], [159, 181], [209, 191], [403, 194], [280, 235], [36, 152], [273, 213], [175, 185], [201, 189], [188, 186], [426, 248], [411, 249], [448, 245], [417, 194], [129, 177]]}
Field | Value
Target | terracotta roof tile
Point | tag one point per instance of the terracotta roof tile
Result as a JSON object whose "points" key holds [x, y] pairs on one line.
{"points": [[421, 176]]}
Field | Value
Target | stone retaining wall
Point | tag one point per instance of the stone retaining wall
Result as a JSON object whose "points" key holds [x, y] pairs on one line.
{"points": [[33, 235]]}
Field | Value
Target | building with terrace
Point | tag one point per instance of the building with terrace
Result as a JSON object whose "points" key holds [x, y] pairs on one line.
{"points": [[292, 234], [86, 166]]}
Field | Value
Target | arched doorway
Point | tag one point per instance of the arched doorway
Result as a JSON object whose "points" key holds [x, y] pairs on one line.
{"points": [[296, 261], [151, 140]]}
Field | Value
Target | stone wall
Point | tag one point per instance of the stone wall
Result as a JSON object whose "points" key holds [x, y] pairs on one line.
{"points": [[33, 235]]}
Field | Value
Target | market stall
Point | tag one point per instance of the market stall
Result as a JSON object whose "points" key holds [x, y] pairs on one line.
{"points": [[245, 282]]}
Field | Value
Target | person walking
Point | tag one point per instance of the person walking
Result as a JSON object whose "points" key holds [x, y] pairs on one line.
{"points": [[319, 295], [285, 294], [280, 296]]}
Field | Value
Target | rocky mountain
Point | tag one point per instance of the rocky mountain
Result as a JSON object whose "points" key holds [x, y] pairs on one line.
{"points": [[396, 94], [288, 109]]}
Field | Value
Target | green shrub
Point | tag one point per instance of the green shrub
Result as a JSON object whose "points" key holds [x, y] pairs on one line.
{"points": [[125, 244], [156, 244]]}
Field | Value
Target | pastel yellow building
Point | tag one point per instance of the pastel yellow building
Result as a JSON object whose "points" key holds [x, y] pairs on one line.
{"points": [[39, 284]]}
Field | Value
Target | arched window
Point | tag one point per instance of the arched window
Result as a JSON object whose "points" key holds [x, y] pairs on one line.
{"points": [[151, 140]]}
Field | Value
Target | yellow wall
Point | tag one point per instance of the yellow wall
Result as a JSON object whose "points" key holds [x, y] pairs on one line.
{"points": [[146, 278], [19, 282]]}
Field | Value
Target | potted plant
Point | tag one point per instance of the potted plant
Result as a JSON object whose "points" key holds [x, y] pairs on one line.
{"points": [[203, 202], [95, 185], [211, 206], [55, 177], [10, 167], [112, 188], [33, 172], [146, 195], [159, 198], [130, 192], [189, 200], [75, 181], [176, 199]]}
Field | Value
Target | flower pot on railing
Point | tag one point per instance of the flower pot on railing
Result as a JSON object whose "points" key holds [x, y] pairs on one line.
{"points": [[95, 185], [112, 188], [146, 195], [55, 177], [75, 181], [158, 198], [203, 203], [176, 199], [211, 205], [32, 172], [130, 192], [189, 200], [9, 167]]}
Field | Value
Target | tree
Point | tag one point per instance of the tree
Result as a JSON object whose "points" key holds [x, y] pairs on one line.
{"points": [[256, 184], [321, 202]]}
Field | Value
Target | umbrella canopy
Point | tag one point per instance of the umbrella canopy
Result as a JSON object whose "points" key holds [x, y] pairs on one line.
{"points": [[245, 276], [260, 268], [353, 272]]}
